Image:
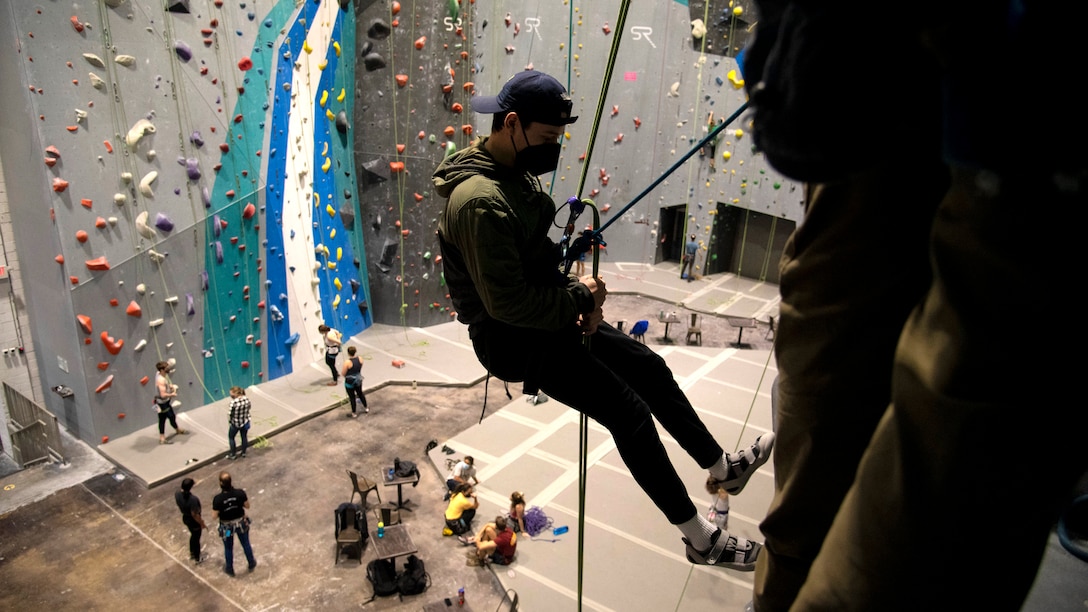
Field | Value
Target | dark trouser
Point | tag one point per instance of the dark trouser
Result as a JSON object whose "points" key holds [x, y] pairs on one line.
{"points": [[355, 392], [463, 524], [228, 547], [689, 265], [330, 360], [896, 401], [166, 415], [618, 382], [194, 537], [235, 430]]}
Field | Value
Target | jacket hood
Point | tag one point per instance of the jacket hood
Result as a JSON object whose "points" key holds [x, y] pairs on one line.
{"points": [[464, 164]]}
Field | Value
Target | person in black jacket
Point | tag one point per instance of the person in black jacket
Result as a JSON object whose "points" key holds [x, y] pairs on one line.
{"points": [[229, 507], [189, 505]]}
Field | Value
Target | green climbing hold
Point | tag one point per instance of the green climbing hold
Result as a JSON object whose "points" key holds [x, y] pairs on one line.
{"points": [[450, 148], [431, 139], [427, 255], [777, 185], [454, 9], [713, 256]]}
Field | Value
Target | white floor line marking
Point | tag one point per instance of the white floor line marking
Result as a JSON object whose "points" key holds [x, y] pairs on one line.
{"points": [[562, 590], [256, 391], [649, 545], [184, 566]]}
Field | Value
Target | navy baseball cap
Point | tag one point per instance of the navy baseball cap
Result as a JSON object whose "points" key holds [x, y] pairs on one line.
{"points": [[533, 95]]}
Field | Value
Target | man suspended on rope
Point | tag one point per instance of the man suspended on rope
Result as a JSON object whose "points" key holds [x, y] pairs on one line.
{"points": [[527, 319]]}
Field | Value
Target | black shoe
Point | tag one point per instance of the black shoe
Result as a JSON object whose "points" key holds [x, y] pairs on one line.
{"points": [[229, 572], [447, 450], [253, 566], [243, 455]]}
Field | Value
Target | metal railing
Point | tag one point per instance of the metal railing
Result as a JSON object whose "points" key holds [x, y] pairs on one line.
{"points": [[35, 435]]}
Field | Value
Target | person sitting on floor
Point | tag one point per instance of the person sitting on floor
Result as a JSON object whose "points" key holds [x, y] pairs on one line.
{"points": [[516, 515], [495, 543], [462, 509]]}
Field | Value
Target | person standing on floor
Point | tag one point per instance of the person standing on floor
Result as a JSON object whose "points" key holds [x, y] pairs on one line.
{"points": [[332, 339], [353, 381], [229, 507], [528, 321], [690, 249], [189, 505], [239, 420], [165, 393]]}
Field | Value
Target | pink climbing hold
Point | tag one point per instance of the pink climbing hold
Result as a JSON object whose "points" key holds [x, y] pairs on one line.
{"points": [[85, 323], [249, 211], [106, 384], [77, 24], [59, 259], [113, 346], [230, 193], [98, 263], [133, 309], [245, 63]]}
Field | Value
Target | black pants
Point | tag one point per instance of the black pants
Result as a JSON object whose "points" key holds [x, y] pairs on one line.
{"points": [[330, 360], [355, 392], [166, 415], [194, 537], [618, 382]]}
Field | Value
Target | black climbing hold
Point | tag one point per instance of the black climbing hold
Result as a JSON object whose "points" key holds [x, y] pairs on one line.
{"points": [[373, 62], [379, 30], [342, 122]]}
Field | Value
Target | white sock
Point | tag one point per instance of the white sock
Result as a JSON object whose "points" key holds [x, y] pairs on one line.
{"points": [[720, 469], [698, 531]]}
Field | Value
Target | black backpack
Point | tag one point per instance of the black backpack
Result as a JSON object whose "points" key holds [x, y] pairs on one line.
{"points": [[414, 580], [403, 468], [382, 573]]}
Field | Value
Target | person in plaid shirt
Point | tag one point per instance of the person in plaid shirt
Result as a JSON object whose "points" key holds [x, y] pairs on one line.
{"points": [[239, 420]]}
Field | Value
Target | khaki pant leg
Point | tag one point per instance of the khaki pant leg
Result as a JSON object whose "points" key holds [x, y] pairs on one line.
{"points": [[851, 273], [971, 464]]}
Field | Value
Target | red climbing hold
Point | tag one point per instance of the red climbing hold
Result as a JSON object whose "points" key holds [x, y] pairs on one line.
{"points": [[98, 263], [81, 236], [106, 384], [249, 211], [402, 80], [112, 346], [85, 323], [396, 167], [77, 24], [421, 42], [59, 185], [245, 63], [59, 259], [457, 107], [133, 309]]}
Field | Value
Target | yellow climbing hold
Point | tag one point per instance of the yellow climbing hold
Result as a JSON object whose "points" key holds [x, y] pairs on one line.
{"points": [[336, 45], [339, 253], [336, 301], [738, 11], [329, 209], [329, 115], [321, 65], [739, 133], [343, 94], [726, 155], [734, 79], [332, 234], [331, 265], [306, 47], [324, 98], [325, 166], [339, 285]]}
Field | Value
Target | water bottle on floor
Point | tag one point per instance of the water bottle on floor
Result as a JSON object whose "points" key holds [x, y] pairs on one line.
{"points": [[560, 530]]}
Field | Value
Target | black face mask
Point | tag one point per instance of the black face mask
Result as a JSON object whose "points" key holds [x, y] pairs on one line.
{"points": [[536, 159]]}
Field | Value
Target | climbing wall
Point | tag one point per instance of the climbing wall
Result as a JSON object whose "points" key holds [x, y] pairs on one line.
{"points": [[183, 190], [674, 79]]}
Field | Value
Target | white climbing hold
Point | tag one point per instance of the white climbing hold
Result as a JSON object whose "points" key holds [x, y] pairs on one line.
{"points": [[96, 81], [126, 177], [140, 346], [125, 60], [172, 299], [155, 256], [145, 183], [674, 91], [140, 129], [141, 288], [698, 29], [81, 115], [112, 220], [155, 323], [120, 199], [94, 60], [142, 228]]}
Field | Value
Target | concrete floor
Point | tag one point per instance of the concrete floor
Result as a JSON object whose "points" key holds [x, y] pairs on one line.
{"points": [[93, 536]]}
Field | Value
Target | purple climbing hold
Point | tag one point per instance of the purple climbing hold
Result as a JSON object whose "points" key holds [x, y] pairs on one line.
{"points": [[164, 223], [192, 168], [189, 308], [218, 251], [196, 139], [204, 280], [217, 227], [206, 197], [184, 51]]}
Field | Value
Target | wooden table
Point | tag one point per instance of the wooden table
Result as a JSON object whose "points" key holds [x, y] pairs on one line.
{"points": [[395, 543], [399, 481], [741, 323], [667, 318]]}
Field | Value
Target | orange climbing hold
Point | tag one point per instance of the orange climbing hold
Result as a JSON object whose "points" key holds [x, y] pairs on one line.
{"points": [[402, 80], [59, 185], [422, 135], [396, 7], [418, 197], [400, 148], [77, 24], [114, 302], [638, 123], [145, 380], [466, 130], [59, 259], [615, 109], [449, 131], [100, 223], [112, 346], [457, 107], [74, 280], [421, 42], [106, 384], [98, 263], [469, 86], [108, 145], [86, 203], [85, 323], [249, 211], [447, 88], [396, 167], [133, 309], [81, 236], [103, 365]]}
